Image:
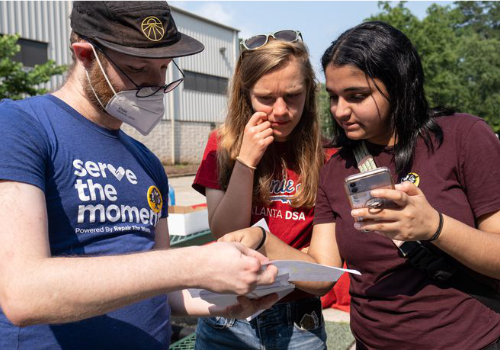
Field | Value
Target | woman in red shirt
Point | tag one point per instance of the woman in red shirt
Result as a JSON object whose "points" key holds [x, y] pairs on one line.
{"points": [[264, 162]]}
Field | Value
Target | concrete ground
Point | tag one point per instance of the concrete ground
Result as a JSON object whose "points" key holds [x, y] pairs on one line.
{"points": [[334, 315], [185, 195], [338, 330]]}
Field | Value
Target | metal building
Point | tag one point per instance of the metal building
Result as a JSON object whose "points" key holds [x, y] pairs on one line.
{"points": [[192, 110]]}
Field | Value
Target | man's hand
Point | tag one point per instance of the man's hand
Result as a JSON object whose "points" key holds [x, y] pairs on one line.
{"points": [[232, 268]]}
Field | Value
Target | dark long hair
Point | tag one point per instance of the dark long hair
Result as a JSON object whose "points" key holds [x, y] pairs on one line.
{"points": [[385, 53]]}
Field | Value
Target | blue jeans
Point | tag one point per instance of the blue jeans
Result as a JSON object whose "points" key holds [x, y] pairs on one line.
{"points": [[274, 329]]}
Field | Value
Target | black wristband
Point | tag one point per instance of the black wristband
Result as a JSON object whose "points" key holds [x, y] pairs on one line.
{"points": [[440, 227], [264, 234]]}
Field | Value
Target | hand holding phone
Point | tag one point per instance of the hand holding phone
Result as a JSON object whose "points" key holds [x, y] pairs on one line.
{"points": [[412, 226], [359, 186]]}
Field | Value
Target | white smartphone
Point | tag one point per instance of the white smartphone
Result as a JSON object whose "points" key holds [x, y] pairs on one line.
{"points": [[358, 187]]}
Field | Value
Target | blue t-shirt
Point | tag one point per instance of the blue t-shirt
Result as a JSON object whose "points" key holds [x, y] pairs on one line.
{"points": [[104, 194]]}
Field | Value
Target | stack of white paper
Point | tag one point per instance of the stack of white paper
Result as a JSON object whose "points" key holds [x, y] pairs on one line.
{"points": [[288, 271], [279, 286]]}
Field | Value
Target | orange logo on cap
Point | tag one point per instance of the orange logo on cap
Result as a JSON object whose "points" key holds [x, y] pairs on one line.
{"points": [[152, 28]]}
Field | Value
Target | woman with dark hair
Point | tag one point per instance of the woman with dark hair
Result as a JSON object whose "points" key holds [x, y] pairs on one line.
{"points": [[380, 51], [376, 85], [429, 262]]}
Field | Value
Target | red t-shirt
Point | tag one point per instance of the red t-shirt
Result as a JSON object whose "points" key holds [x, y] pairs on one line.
{"points": [[394, 305], [291, 225]]}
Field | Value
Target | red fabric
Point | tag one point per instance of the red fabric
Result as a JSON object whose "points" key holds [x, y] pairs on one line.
{"points": [[207, 175], [201, 205], [291, 225]]}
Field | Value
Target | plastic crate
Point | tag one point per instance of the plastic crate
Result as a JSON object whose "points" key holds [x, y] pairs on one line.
{"points": [[186, 343]]}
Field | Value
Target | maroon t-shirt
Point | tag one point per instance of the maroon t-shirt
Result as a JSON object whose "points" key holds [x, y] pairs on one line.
{"points": [[394, 305]]}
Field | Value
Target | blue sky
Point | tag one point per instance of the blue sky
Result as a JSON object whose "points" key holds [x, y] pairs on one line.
{"points": [[319, 21]]}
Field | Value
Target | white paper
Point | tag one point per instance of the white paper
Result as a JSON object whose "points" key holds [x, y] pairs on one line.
{"points": [[288, 271], [306, 271], [262, 223], [231, 299], [281, 295]]}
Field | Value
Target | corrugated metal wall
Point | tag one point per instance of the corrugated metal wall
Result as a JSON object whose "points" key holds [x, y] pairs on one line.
{"points": [[48, 21], [202, 106]]}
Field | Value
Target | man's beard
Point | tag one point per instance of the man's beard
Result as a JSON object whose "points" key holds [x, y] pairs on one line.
{"points": [[100, 85]]}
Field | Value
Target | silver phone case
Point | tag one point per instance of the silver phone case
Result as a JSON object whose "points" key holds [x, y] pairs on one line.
{"points": [[358, 187]]}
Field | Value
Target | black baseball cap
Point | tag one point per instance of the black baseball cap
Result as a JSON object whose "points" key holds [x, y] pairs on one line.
{"points": [[137, 28]]}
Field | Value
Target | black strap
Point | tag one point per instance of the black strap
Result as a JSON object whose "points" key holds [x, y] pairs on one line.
{"points": [[476, 289], [263, 240], [442, 270]]}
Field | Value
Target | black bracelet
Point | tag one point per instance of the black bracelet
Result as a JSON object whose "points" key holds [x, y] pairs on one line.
{"points": [[264, 234], [440, 227]]}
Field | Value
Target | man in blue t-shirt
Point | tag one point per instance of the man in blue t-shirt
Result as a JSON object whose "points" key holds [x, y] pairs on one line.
{"points": [[83, 229]]}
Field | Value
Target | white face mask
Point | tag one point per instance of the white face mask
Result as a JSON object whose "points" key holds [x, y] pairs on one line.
{"points": [[141, 113]]}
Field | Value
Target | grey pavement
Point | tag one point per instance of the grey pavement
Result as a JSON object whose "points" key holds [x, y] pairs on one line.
{"points": [[334, 315], [184, 194]]}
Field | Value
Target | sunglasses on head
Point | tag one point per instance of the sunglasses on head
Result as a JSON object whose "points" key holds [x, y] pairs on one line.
{"points": [[262, 39]]}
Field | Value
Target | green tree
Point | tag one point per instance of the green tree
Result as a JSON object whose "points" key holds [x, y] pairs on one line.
{"points": [[17, 83], [479, 24], [479, 72], [459, 47], [325, 117], [482, 16]]}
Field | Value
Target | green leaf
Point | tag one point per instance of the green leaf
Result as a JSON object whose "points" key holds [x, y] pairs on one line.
{"points": [[17, 83]]}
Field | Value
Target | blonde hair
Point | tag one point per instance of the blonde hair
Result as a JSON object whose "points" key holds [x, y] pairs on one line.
{"points": [[304, 155]]}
